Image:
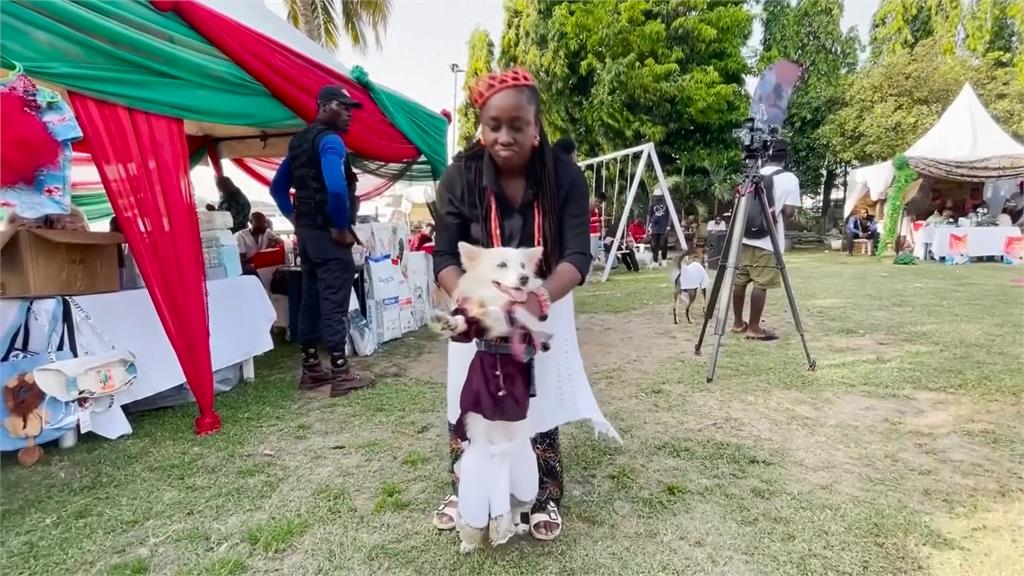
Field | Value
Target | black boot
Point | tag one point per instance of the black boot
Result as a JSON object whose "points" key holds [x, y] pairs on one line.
{"points": [[344, 379], [313, 374]]}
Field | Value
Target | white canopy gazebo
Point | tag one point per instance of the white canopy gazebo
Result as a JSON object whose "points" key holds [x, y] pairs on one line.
{"points": [[966, 144]]}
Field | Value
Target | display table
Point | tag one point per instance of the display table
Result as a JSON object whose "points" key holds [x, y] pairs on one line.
{"points": [[981, 241], [240, 319]]}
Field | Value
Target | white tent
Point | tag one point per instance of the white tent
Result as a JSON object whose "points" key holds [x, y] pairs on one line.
{"points": [[966, 144], [871, 180]]}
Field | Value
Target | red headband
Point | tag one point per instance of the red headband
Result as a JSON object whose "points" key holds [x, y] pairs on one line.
{"points": [[487, 86]]}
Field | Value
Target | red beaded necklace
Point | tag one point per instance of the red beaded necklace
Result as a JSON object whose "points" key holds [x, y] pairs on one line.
{"points": [[538, 232]]}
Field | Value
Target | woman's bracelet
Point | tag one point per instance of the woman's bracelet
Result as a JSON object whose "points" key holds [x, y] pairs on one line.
{"points": [[545, 300]]}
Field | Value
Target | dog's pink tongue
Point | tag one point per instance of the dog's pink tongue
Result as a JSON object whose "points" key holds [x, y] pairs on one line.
{"points": [[517, 295]]}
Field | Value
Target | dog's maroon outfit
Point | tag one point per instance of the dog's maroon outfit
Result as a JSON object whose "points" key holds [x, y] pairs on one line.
{"points": [[498, 384]]}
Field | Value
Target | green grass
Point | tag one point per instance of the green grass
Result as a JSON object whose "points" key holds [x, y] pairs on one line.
{"points": [[276, 535], [900, 455]]}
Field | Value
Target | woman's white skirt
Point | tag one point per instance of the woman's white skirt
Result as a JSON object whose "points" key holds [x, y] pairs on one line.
{"points": [[563, 390]]}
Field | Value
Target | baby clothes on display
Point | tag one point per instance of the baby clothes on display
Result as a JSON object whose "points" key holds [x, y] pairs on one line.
{"points": [[50, 192]]}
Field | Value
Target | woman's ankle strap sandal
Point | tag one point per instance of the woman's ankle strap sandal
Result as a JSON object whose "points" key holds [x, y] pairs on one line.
{"points": [[446, 514], [549, 515]]}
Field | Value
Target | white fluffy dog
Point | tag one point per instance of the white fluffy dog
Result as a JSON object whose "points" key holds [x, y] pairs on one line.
{"points": [[498, 477]]}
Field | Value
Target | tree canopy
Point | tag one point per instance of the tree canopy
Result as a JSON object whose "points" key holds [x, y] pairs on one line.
{"points": [[614, 74], [810, 32], [889, 106], [324, 23], [907, 85], [480, 62], [899, 25]]}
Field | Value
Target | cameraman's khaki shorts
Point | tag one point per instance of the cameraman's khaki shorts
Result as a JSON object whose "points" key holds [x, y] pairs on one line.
{"points": [[757, 266]]}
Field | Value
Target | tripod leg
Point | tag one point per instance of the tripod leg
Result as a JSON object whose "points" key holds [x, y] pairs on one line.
{"points": [[781, 265], [724, 301], [716, 287]]}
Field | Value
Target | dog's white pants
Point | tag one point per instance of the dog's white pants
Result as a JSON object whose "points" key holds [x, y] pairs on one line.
{"points": [[489, 474]]}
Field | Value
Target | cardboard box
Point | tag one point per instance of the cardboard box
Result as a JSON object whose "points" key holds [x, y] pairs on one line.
{"points": [[37, 262]]}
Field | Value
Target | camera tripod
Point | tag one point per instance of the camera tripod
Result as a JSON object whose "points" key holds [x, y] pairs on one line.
{"points": [[749, 191]]}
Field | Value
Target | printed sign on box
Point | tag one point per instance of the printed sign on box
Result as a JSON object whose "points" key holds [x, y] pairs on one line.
{"points": [[1013, 250], [362, 335], [418, 269], [957, 249], [382, 299]]}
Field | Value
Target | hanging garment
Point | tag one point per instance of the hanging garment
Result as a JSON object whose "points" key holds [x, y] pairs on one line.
{"points": [[25, 144], [50, 191]]}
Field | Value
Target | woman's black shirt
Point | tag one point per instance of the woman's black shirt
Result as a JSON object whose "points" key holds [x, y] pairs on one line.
{"points": [[458, 214]]}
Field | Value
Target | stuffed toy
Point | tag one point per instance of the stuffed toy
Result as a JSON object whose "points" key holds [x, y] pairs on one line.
{"points": [[24, 401]]}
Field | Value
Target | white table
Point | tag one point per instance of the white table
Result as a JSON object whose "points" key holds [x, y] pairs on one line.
{"points": [[981, 241], [240, 319], [923, 240]]}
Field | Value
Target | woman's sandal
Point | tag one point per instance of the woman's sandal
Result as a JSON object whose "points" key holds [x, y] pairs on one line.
{"points": [[549, 515], [448, 508]]}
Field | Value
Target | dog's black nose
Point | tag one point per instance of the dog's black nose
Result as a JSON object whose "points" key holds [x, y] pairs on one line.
{"points": [[524, 280]]}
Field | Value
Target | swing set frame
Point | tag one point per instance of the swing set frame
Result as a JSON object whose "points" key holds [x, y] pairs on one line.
{"points": [[647, 154]]}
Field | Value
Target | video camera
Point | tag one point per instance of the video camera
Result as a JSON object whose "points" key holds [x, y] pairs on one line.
{"points": [[756, 138]]}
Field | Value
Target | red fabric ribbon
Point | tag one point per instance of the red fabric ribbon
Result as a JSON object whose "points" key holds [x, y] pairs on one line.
{"points": [[142, 159], [294, 79]]}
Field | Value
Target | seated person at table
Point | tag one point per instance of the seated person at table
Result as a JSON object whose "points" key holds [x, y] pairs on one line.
{"points": [[718, 225], [258, 236], [861, 227], [973, 200], [232, 200], [421, 239]]}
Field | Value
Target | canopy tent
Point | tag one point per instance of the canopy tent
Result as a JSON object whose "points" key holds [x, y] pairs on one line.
{"points": [[239, 76], [966, 144], [153, 83], [870, 181]]}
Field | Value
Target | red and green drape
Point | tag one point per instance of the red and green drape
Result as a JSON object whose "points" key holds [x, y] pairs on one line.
{"points": [[185, 60], [135, 72]]}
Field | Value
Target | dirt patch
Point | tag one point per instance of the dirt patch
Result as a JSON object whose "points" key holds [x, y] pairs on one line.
{"points": [[989, 541], [865, 345], [607, 342], [422, 356], [858, 444], [610, 342]]}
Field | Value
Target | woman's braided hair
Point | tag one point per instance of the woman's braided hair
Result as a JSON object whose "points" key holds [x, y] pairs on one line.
{"points": [[540, 175]]}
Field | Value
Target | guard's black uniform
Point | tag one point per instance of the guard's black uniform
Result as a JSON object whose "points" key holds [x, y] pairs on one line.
{"points": [[328, 269]]}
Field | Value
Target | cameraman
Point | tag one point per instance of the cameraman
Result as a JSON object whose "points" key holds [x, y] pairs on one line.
{"points": [[757, 262]]}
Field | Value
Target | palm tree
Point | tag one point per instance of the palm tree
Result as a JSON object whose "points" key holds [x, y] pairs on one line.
{"points": [[721, 181], [716, 187], [321, 21]]}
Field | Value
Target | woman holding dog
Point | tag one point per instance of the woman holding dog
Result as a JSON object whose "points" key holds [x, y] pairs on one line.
{"points": [[509, 188]]}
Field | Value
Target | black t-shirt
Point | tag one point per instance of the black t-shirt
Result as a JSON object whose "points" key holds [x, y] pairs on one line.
{"points": [[458, 216]]}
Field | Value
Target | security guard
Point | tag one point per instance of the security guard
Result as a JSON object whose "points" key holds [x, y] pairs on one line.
{"points": [[323, 212]]}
